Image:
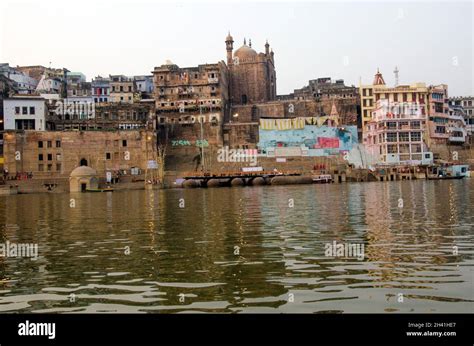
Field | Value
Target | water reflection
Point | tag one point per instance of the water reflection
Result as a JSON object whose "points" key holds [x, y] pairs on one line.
{"points": [[257, 249]]}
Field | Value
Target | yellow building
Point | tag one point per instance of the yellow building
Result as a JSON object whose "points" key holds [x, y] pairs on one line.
{"points": [[378, 90]]}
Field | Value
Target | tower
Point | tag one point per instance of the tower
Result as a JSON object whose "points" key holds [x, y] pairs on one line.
{"points": [[378, 79], [396, 75], [229, 45]]}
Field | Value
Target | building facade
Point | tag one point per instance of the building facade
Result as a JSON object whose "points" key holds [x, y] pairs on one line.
{"points": [[100, 89], [52, 154], [397, 133], [122, 89], [24, 113], [465, 106]]}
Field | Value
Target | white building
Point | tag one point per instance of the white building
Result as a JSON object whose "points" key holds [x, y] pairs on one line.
{"points": [[24, 84], [24, 113], [49, 85]]}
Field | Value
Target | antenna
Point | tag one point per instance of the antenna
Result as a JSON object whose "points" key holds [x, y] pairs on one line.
{"points": [[396, 75]]}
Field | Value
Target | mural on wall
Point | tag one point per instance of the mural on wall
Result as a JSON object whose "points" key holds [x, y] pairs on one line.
{"points": [[311, 140]]}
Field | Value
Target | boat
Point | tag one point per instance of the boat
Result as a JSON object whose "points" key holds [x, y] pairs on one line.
{"points": [[322, 179], [106, 189], [447, 171]]}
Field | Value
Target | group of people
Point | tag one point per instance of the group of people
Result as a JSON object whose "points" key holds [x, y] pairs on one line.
{"points": [[17, 176]]}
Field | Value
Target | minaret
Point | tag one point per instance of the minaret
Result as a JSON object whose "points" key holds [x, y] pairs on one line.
{"points": [[267, 49], [396, 75], [229, 46]]}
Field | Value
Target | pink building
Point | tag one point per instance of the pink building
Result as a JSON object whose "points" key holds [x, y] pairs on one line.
{"points": [[397, 133]]}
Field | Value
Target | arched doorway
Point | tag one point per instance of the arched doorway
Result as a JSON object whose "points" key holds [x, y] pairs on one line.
{"points": [[83, 162]]}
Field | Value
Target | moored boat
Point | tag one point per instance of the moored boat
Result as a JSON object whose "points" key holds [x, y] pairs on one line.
{"points": [[106, 189]]}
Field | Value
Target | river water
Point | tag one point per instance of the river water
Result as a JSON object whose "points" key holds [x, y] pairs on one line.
{"points": [[249, 249]]}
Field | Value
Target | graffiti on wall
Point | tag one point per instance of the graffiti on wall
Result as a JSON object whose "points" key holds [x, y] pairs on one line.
{"points": [[185, 143], [312, 140]]}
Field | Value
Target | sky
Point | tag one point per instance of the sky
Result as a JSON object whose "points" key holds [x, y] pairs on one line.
{"points": [[428, 41]]}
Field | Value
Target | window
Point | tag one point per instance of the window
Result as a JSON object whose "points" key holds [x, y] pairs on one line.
{"points": [[24, 110], [40, 144], [40, 167], [405, 97], [107, 156], [415, 136], [403, 137], [392, 137], [58, 144], [124, 143], [130, 88], [32, 110], [392, 148], [58, 157], [50, 167], [116, 156], [392, 125], [17, 110], [50, 144], [415, 124], [40, 157], [58, 167], [121, 88], [440, 129], [416, 148]]}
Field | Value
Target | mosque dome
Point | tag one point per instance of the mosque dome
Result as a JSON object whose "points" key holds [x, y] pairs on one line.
{"points": [[245, 52]]}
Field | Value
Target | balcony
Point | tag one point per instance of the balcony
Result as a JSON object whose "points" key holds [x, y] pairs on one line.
{"points": [[457, 139]]}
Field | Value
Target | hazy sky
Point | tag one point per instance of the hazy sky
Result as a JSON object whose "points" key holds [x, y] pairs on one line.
{"points": [[430, 42]]}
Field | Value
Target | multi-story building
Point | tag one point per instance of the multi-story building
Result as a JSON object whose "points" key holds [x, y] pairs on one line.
{"points": [[100, 89], [122, 89], [25, 113], [55, 154], [77, 85], [446, 123], [191, 94], [144, 86], [465, 104], [378, 90], [24, 84], [397, 133], [438, 114], [50, 85], [38, 71], [102, 116], [326, 88]]}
